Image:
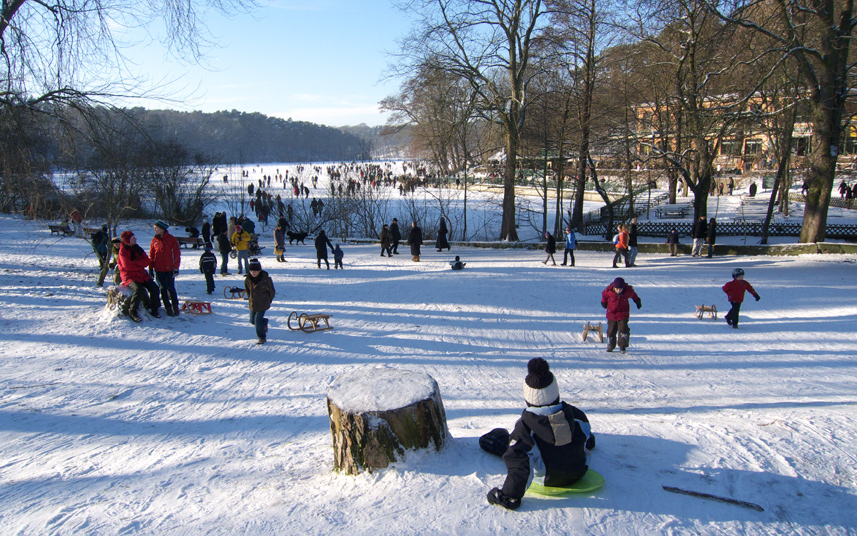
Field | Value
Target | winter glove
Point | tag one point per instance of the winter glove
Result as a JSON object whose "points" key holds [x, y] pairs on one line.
{"points": [[604, 304], [590, 443], [495, 496], [639, 303], [758, 298]]}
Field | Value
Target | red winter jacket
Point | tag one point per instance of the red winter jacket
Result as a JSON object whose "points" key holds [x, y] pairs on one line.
{"points": [[622, 243], [165, 253], [735, 290], [133, 263], [617, 304]]}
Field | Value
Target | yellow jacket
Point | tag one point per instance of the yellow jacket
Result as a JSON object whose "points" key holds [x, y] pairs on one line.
{"points": [[241, 240]]}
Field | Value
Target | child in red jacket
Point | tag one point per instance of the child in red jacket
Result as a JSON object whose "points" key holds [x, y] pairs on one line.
{"points": [[615, 299], [735, 290]]}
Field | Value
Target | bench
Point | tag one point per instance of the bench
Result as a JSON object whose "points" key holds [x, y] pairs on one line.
{"points": [[88, 231], [197, 307], [672, 211], [185, 241], [309, 323], [59, 230]]}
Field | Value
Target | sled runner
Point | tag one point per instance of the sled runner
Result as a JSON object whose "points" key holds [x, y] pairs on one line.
{"points": [[702, 309], [197, 307], [308, 323], [587, 327], [591, 481], [234, 293]]}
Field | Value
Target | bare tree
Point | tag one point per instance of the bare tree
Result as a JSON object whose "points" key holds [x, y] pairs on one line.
{"points": [[489, 43], [818, 36]]}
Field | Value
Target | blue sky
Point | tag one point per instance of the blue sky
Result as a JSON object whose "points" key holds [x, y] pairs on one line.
{"points": [[319, 60]]}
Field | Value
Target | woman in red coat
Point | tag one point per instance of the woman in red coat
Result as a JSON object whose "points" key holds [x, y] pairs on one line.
{"points": [[615, 299], [166, 258], [133, 263]]}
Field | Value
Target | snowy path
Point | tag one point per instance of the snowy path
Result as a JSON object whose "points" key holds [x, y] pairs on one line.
{"points": [[185, 426]]}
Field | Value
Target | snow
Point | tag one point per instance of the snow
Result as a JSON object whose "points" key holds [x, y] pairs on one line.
{"points": [[379, 389], [185, 426]]}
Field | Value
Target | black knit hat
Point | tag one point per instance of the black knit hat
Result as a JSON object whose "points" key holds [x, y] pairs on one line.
{"points": [[540, 387], [254, 265]]}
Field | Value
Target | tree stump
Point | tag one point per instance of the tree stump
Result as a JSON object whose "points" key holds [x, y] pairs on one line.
{"points": [[376, 414]]}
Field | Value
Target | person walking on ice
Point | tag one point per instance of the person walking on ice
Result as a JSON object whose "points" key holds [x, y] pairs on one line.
{"points": [[615, 299], [548, 445], [260, 295], [735, 290]]}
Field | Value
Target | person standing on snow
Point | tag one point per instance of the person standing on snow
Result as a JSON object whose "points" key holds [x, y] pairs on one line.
{"points": [[548, 444], [735, 290], [395, 235], [321, 245], [415, 240], [165, 257], [550, 248], [615, 299], [133, 262], [621, 243], [700, 230], [570, 244], [207, 267], [260, 294], [241, 242]]}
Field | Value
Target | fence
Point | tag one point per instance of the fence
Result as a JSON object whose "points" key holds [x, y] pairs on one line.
{"points": [[727, 228]]}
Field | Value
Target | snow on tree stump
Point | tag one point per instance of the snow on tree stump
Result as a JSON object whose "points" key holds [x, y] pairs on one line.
{"points": [[376, 414]]}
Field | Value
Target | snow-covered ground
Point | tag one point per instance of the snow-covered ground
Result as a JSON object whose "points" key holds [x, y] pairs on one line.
{"points": [[185, 426]]}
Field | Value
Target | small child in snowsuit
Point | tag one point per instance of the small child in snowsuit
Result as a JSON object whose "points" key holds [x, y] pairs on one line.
{"points": [[615, 299], [549, 442], [735, 292], [457, 264], [207, 266], [337, 257]]}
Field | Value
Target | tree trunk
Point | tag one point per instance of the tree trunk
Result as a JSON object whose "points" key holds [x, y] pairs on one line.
{"points": [[508, 231], [376, 415]]}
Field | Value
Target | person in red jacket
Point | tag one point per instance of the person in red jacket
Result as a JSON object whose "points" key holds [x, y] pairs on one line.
{"points": [[165, 256], [621, 243], [133, 262], [735, 290], [615, 299]]}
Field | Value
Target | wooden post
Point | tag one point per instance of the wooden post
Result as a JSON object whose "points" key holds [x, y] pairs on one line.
{"points": [[376, 414]]}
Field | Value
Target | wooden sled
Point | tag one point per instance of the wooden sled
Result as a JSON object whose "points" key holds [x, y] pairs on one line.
{"points": [[587, 327], [197, 307], [234, 293], [702, 309], [308, 323]]}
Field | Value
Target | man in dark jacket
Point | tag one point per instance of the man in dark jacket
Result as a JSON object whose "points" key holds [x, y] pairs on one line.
{"points": [[549, 441], [711, 237], [207, 267], [224, 245], [415, 240], [396, 235], [321, 245], [632, 243], [260, 295]]}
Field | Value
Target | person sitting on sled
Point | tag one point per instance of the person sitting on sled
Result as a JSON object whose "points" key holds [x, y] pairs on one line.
{"points": [[457, 264], [548, 445]]}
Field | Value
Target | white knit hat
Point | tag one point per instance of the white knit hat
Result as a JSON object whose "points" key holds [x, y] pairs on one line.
{"points": [[540, 387]]}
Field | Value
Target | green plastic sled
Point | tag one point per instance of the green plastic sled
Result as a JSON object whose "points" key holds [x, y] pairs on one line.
{"points": [[591, 481]]}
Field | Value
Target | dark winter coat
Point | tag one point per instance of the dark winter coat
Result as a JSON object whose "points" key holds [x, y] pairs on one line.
{"points": [[223, 243], [441, 242], [260, 291], [736, 288], [133, 264], [672, 238], [632, 236], [206, 232], [321, 245], [617, 304], [338, 254], [415, 240], [386, 238], [394, 232], [207, 263], [559, 433], [550, 245], [711, 238], [218, 224], [700, 229]]}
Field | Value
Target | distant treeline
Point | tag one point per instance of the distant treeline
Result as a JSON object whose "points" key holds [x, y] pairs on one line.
{"points": [[239, 137]]}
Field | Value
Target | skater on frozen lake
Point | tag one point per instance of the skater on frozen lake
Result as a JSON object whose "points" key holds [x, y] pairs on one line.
{"points": [[548, 444], [735, 290], [615, 299]]}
